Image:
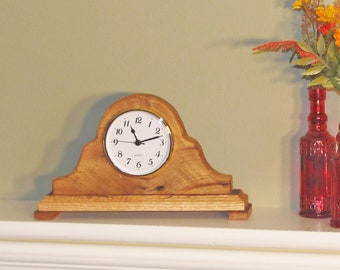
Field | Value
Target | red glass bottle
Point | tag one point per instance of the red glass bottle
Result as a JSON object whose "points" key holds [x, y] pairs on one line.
{"points": [[317, 151], [335, 198]]}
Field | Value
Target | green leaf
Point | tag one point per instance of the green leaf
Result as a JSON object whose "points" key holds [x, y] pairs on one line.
{"points": [[338, 71], [330, 52], [304, 61], [331, 58], [321, 45], [328, 84], [304, 47], [336, 82], [313, 70], [320, 80]]}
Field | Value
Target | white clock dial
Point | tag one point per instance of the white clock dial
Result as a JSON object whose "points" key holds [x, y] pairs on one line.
{"points": [[138, 142]]}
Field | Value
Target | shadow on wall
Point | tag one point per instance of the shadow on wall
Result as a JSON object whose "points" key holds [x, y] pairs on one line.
{"points": [[290, 159], [42, 184], [293, 155]]}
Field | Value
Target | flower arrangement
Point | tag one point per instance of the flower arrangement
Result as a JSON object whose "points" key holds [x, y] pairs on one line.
{"points": [[319, 52]]}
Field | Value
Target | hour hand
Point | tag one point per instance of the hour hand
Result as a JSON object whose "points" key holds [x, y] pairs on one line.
{"points": [[137, 142], [134, 133]]}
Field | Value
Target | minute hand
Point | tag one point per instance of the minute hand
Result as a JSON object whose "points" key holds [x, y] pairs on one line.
{"points": [[152, 138]]}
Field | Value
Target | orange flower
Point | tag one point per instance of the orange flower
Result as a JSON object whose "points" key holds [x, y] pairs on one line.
{"points": [[298, 4], [337, 37], [328, 14]]}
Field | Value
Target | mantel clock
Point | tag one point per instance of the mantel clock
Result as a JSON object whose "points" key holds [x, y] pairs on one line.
{"points": [[142, 159]]}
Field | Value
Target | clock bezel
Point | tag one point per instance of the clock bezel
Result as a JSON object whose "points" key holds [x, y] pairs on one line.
{"points": [[166, 125]]}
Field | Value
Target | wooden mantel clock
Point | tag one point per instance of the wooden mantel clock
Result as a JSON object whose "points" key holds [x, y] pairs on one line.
{"points": [[142, 159]]}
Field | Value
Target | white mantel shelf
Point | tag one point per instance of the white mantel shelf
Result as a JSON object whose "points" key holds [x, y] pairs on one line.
{"points": [[270, 239]]}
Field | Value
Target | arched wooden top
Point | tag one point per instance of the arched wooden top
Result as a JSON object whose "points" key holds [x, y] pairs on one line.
{"points": [[186, 171]]}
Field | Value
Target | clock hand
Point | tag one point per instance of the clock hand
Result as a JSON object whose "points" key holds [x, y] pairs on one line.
{"points": [[152, 138], [126, 142], [134, 133], [137, 142]]}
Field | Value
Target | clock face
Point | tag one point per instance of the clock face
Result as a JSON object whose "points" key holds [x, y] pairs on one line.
{"points": [[138, 142]]}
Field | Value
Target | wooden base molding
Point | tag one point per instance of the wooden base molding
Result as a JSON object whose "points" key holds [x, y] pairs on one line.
{"points": [[236, 204]]}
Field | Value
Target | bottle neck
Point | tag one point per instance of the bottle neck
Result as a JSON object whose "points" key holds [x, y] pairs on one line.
{"points": [[317, 117]]}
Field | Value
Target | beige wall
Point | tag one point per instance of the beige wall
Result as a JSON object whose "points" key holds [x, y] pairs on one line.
{"points": [[64, 62]]}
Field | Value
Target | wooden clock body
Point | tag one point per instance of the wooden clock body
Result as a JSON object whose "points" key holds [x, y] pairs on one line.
{"points": [[186, 182]]}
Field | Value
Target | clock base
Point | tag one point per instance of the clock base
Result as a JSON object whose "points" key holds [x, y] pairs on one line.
{"points": [[235, 203]]}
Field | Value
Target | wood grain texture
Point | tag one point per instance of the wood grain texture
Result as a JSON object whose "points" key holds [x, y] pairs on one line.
{"points": [[185, 183], [186, 171], [235, 201]]}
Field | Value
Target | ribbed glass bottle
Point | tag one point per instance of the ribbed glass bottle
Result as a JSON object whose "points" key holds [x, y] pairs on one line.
{"points": [[335, 198], [317, 152]]}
